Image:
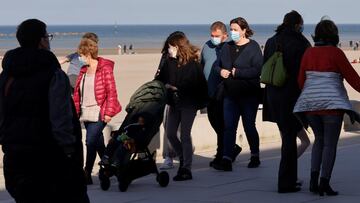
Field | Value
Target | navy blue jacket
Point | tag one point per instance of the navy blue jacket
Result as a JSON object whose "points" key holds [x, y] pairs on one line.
{"points": [[246, 81]]}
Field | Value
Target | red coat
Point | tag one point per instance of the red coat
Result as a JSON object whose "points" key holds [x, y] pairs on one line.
{"points": [[105, 89]]}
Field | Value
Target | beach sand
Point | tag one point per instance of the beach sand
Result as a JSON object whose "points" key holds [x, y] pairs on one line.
{"points": [[131, 71]]}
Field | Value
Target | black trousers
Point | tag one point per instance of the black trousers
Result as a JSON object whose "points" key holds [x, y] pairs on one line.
{"points": [[215, 113], [288, 164], [44, 177]]}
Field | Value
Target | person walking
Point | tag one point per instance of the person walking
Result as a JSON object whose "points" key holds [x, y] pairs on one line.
{"points": [[39, 130], [293, 44], [74, 60], [183, 77], [168, 152], [239, 64], [96, 99], [324, 100], [209, 54]]}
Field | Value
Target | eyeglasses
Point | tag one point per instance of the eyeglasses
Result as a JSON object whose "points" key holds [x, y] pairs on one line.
{"points": [[49, 36]]}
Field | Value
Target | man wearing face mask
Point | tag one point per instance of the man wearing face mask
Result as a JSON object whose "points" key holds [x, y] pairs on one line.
{"points": [[39, 131], [209, 54]]}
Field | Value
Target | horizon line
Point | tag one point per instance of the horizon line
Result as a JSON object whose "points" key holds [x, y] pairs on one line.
{"points": [[166, 24]]}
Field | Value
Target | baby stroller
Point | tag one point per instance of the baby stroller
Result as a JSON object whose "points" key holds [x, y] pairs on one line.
{"points": [[147, 102]]}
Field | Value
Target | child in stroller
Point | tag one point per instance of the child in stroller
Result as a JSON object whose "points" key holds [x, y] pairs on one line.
{"points": [[142, 122], [120, 147]]}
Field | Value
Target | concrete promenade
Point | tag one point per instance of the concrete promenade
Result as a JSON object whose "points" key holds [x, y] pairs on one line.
{"points": [[241, 185]]}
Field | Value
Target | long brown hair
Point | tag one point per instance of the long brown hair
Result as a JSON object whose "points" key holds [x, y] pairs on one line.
{"points": [[186, 51]]}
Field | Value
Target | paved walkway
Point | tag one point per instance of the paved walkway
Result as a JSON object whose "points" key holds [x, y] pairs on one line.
{"points": [[241, 185]]}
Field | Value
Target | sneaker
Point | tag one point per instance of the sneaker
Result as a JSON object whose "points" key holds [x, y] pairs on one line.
{"points": [[254, 162], [224, 165], [237, 150], [168, 164], [183, 174]]}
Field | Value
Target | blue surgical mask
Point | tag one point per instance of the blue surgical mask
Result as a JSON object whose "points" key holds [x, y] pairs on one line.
{"points": [[301, 28], [235, 36], [215, 40]]}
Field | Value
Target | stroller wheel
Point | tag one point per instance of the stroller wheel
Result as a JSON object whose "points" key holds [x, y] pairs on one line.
{"points": [[105, 184], [123, 186], [163, 179], [104, 180]]}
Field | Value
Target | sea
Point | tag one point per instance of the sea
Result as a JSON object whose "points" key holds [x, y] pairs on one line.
{"points": [[153, 36]]}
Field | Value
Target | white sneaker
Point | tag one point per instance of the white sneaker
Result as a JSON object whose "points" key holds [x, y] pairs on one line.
{"points": [[168, 164]]}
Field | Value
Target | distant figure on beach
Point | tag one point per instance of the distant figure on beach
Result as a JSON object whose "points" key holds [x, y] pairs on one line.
{"points": [[96, 100], [209, 54], [75, 64], [168, 152], [186, 84], [124, 48], [324, 101], [39, 131], [119, 50], [357, 45], [131, 49], [288, 36], [239, 66], [351, 43]]}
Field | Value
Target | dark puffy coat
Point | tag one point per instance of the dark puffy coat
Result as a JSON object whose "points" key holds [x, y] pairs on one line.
{"points": [[279, 102], [105, 89]]}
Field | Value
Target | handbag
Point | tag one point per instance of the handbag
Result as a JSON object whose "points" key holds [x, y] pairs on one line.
{"points": [[273, 71], [88, 113]]}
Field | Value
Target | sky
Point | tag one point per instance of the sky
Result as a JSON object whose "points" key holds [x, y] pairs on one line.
{"points": [[96, 12]]}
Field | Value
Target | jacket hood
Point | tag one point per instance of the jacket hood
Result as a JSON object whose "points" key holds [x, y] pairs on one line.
{"points": [[25, 61]]}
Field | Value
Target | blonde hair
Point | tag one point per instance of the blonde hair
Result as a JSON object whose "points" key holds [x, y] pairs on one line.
{"points": [[88, 46], [186, 51]]}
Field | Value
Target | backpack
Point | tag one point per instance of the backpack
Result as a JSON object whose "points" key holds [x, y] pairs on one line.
{"points": [[273, 71]]}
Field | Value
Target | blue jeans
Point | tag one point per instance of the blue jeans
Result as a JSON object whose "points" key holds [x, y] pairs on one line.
{"points": [[247, 108], [94, 143], [327, 130]]}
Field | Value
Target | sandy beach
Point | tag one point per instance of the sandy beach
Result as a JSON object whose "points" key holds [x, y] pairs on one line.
{"points": [[133, 70]]}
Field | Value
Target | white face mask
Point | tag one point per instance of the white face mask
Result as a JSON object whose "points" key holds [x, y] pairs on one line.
{"points": [[172, 51], [215, 40]]}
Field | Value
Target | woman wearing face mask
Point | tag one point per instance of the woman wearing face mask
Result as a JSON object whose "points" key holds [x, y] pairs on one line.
{"points": [[183, 76], [95, 98], [239, 64], [168, 152], [279, 102]]}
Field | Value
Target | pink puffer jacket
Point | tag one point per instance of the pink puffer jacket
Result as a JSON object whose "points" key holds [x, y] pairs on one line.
{"points": [[105, 89]]}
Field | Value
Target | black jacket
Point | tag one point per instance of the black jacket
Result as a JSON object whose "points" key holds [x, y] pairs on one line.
{"points": [[188, 79], [279, 102], [38, 110], [246, 81]]}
